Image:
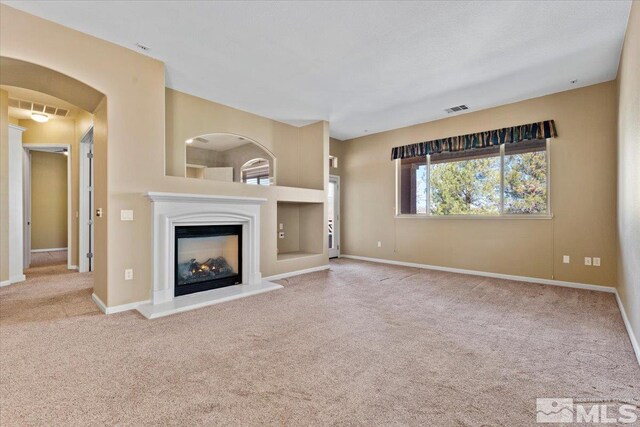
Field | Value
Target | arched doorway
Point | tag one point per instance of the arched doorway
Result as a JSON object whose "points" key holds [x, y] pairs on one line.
{"points": [[38, 93]]}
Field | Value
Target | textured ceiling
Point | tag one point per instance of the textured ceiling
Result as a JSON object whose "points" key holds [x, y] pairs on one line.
{"points": [[363, 66]]}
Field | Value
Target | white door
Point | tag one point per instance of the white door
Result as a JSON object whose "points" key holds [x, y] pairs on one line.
{"points": [[86, 239], [334, 216], [26, 199]]}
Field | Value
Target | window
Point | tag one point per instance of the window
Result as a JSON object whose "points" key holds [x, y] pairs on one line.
{"points": [[256, 172], [510, 179]]}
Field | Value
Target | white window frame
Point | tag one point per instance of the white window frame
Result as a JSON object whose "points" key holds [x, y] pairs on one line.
{"points": [[501, 215]]}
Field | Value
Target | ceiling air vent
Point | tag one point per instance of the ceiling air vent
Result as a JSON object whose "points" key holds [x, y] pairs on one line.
{"points": [[38, 108], [26, 105], [456, 109]]}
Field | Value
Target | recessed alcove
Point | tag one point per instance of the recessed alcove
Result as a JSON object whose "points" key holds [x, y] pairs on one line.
{"points": [[300, 229]]}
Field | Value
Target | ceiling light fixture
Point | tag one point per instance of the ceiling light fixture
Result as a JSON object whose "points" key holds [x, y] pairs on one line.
{"points": [[39, 117], [189, 141]]}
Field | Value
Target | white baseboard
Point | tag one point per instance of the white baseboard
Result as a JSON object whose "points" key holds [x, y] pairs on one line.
{"points": [[5, 283], [72, 267], [600, 288], [116, 308], [33, 251], [627, 324], [296, 273], [17, 279]]}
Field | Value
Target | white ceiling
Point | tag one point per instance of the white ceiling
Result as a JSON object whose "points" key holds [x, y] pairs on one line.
{"points": [[219, 141], [361, 65]]}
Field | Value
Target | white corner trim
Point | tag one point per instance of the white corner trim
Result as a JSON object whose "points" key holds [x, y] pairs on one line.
{"points": [[116, 308], [627, 324], [18, 278], [600, 288], [33, 251], [5, 283], [296, 273]]}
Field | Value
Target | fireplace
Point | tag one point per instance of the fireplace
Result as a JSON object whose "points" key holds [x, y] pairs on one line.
{"points": [[207, 257]]}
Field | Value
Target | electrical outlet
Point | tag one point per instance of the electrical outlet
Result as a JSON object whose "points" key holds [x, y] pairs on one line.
{"points": [[587, 260], [379, 244], [126, 215], [596, 262], [281, 235], [128, 274], [566, 259]]}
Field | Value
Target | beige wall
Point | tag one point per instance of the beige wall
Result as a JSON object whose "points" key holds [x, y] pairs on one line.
{"points": [[583, 169], [188, 116], [48, 200], [130, 148], [4, 186], [629, 172]]}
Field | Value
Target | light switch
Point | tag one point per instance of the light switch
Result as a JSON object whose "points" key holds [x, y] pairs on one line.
{"points": [[587, 260], [281, 226], [596, 262], [126, 215], [379, 244], [566, 259]]}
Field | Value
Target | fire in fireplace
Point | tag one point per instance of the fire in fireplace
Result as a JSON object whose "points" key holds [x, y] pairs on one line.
{"points": [[207, 257]]}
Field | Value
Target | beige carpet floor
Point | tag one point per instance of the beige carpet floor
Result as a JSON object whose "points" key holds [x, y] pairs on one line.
{"points": [[360, 344], [41, 259]]}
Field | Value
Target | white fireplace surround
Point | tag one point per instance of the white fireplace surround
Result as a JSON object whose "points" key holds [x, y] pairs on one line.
{"points": [[171, 210]]}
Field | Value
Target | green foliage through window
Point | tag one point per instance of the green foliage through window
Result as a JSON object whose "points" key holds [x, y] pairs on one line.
{"points": [[471, 182]]}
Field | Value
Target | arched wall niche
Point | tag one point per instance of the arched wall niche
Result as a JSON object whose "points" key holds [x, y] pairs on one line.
{"points": [[224, 155]]}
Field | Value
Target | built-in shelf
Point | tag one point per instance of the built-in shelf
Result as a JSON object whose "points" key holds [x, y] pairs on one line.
{"points": [[294, 255], [303, 227]]}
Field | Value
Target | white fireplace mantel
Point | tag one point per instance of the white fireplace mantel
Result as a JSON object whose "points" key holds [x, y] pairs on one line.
{"points": [[170, 210]]}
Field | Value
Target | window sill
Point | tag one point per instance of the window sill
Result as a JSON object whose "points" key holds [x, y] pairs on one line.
{"points": [[473, 217]]}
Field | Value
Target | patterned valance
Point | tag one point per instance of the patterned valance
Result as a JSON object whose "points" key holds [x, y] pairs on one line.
{"points": [[489, 138]]}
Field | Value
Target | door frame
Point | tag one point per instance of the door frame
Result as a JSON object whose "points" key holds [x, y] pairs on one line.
{"points": [[50, 148], [335, 253], [85, 203]]}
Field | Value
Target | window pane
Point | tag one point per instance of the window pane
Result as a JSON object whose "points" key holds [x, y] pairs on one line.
{"points": [[413, 186], [465, 182], [525, 178]]}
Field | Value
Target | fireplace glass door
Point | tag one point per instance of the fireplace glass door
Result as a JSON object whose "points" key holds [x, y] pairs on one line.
{"points": [[207, 257]]}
